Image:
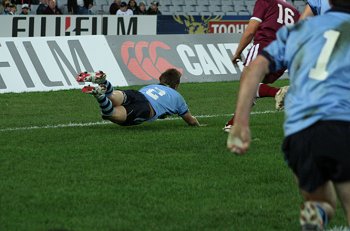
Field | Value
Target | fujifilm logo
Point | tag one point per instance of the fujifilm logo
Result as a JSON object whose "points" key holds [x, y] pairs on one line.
{"points": [[76, 53], [35, 26], [52, 63]]}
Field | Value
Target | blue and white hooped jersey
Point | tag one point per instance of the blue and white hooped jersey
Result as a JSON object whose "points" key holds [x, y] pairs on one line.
{"points": [[164, 100], [319, 7], [317, 54]]}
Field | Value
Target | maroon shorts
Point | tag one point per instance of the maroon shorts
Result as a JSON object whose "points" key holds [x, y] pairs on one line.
{"points": [[253, 53]]}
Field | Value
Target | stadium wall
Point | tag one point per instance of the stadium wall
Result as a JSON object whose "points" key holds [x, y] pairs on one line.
{"points": [[188, 24], [73, 25], [51, 63]]}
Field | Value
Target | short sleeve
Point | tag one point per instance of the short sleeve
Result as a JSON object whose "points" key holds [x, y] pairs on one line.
{"points": [[182, 106], [260, 8], [276, 51]]}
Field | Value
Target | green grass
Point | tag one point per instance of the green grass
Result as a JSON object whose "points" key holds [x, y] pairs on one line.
{"points": [[156, 176]]}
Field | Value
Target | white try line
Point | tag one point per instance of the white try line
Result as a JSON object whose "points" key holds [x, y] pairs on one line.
{"points": [[107, 122]]}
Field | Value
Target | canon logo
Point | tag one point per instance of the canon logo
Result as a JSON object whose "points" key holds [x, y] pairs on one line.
{"points": [[210, 59]]}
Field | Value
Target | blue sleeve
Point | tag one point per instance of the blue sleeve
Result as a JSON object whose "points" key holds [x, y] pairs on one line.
{"points": [[276, 51], [182, 107]]}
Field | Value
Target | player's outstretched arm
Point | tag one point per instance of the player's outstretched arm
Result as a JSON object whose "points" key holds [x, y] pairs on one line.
{"points": [[247, 37], [238, 140], [190, 119]]}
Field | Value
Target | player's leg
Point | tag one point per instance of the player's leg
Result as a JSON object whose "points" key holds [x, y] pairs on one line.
{"points": [[110, 106], [231, 122], [343, 190], [252, 53], [119, 115], [278, 93], [110, 101], [134, 109], [116, 97], [97, 78], [266, 90], [333, 138], [109, 111], [317, 155], [279, 98], [318, 208], [93, 77]]}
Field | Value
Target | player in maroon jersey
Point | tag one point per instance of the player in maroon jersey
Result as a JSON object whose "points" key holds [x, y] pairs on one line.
{"points": [[268, 16]]}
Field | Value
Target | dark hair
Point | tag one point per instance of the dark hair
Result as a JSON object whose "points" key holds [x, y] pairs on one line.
{"points": [[87, 3], [155, 3], [340, 3], [134, 5], [170, 78]]}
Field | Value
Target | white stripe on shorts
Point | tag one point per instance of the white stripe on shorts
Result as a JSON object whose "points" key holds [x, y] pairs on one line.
{"points": [[253, 52]]}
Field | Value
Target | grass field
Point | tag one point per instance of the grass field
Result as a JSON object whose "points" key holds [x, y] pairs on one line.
{"points": [[62, 168]]}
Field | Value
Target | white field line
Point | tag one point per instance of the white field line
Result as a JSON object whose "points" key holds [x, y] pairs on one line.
{"points": [[107, 122]]}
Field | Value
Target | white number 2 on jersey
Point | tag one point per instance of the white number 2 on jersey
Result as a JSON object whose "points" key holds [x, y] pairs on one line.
{"points": [[319, 72], [155, 93], [285, 15]]}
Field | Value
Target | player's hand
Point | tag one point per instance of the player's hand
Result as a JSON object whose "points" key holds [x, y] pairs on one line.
{"points": [[238, 140], [236, 58]]}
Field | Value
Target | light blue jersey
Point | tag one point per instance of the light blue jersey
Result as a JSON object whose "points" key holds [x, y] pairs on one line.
{"points": [[164, 100], [317, 54], [319, 7]]}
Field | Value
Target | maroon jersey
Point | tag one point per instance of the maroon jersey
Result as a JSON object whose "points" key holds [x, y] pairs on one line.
{"points": [[272, 15]]}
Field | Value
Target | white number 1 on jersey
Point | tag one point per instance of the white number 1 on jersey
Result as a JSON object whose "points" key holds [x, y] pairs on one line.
{"points": [[319, 72]]}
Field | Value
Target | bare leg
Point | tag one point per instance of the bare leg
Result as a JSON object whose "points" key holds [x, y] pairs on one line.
{"points": [[117, 98], [119, 115], [324, 196], [111, 106], [343, 191]]}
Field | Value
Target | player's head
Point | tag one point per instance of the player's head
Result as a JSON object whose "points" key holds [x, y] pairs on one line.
{"points": [[340, 3], [170, 78]]}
